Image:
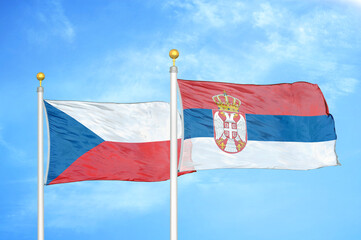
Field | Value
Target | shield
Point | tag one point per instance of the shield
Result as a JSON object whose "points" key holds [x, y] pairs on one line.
{"points": [[230, 130]]}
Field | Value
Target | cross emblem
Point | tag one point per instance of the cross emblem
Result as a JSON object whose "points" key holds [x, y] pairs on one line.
{"points": [[230, 130]]}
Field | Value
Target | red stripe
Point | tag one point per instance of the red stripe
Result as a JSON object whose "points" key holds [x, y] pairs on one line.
{"points": [[141, 162], [300, 98]]}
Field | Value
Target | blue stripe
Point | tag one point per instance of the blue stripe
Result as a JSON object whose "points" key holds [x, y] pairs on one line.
{"points": [[69, 140], [199, 123]]}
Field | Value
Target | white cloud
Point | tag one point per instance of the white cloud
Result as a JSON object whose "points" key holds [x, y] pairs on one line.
{"points": [[302, 40], [130, 76], [210, 13], [82, 206], [267, 16], [12, 150], [338, 87], [348, 85], [312, 43], [52, 22], [280, 37], [356, 3], [85, 204]]}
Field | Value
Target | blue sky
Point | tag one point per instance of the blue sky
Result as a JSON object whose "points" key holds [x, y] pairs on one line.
{"points": [[118, 51]]}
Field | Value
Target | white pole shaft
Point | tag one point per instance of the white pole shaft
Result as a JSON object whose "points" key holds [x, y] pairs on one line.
{"points": [[173, 155], [40, 91]]}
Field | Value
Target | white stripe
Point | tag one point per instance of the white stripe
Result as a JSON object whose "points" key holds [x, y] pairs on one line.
{"points": [[203, 153], [136, 122]]}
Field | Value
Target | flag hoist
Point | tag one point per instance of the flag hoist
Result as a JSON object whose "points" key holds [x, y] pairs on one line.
{"points": [[173, 147], [40, 76]]}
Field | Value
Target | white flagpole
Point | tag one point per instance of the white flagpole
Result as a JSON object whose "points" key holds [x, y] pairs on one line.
{"points": [[173, 148], [40, 76]]}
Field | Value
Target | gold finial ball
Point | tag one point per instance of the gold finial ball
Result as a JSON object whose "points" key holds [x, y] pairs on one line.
{"points": [[173, 53], [40, 76]]}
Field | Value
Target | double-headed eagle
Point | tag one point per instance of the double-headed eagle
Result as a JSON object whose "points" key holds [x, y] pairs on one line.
{"points": [[229, 109]]}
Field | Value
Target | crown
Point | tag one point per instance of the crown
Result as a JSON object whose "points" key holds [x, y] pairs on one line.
{"points": [[226, 102]]}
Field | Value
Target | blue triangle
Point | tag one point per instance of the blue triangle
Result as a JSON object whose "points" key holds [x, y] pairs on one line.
{"points": [[69, 140]]}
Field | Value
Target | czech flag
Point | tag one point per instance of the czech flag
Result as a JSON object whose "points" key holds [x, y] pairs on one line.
{"points": [[108, 141], [280, 126]]}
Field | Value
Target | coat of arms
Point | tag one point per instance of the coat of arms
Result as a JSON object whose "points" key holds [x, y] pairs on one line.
{"points": [[230, 131]]}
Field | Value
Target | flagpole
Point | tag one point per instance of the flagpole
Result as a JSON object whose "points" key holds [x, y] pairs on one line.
{"points": [[173, 148], [40, 76]]}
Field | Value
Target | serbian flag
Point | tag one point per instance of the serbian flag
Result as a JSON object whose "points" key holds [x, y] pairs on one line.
{"points": [[280, 126], [108, 141]]}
